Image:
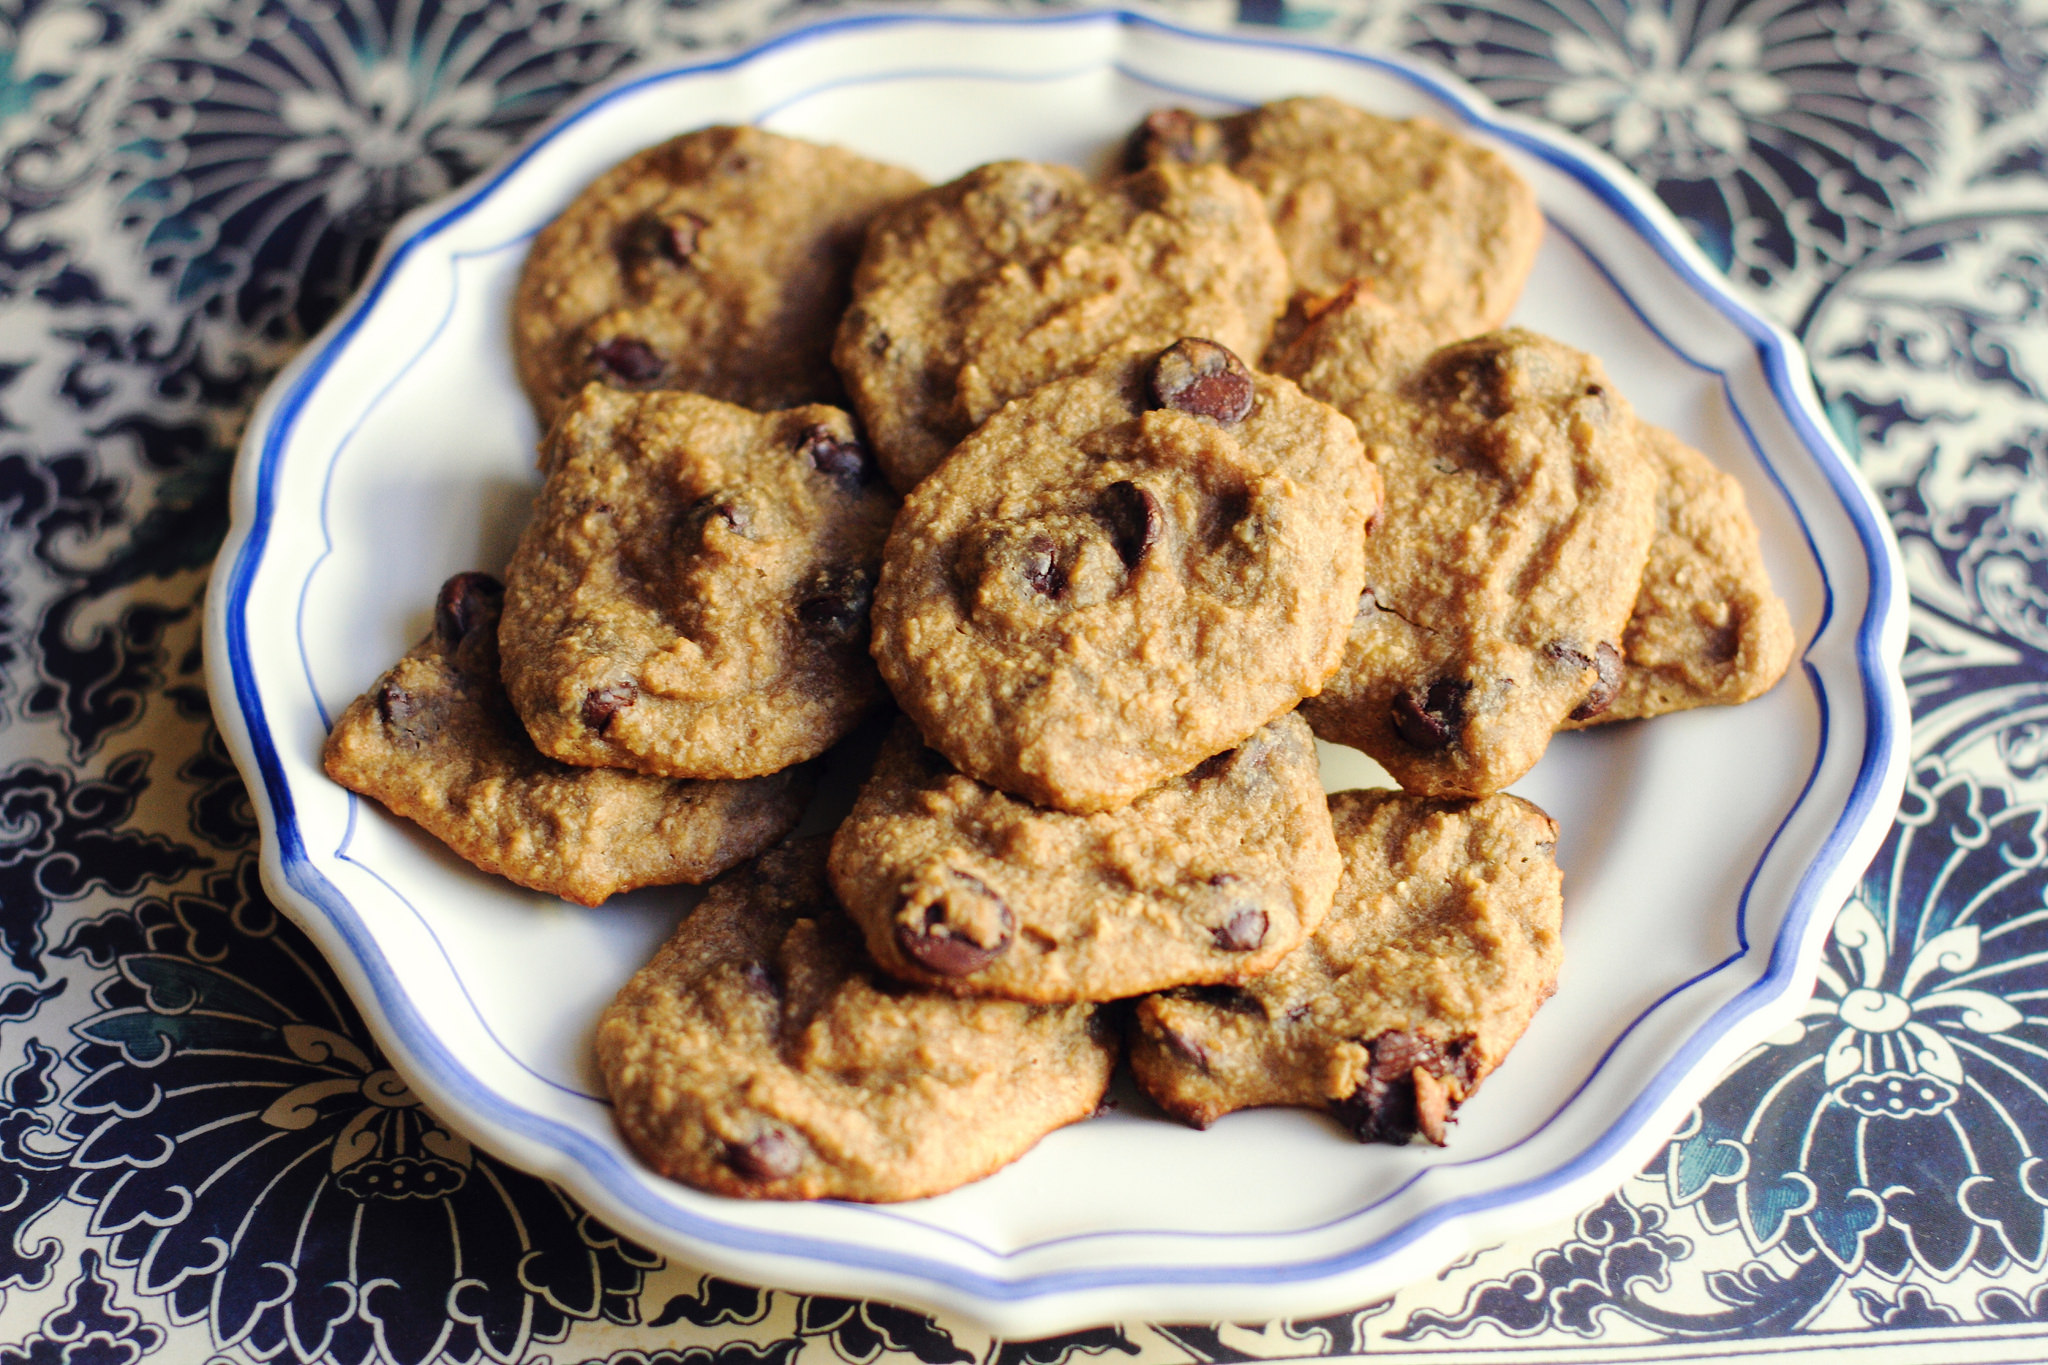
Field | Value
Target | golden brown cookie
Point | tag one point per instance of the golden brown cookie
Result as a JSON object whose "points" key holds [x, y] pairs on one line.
{"points": [[979, 291], [1214, 876], [1499, 579], [691, 595], [1436, 226], [760, 1054], [1706, 628], [717, 262], [1124, 573], [436, 741], [1443, 941]]}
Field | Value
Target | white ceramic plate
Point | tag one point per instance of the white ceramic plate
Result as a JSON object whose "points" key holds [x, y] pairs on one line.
{"points": [[1704, 854]]}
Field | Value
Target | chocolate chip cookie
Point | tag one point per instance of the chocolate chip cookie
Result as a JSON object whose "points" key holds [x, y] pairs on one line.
{"points": [[760, 1054], [1214, 876], [691, 595], [1124, 573], [1436, 226], [717, 262], [436, 741], [1519, 516], [1706, 629], [979, 291], [1443, 941]]}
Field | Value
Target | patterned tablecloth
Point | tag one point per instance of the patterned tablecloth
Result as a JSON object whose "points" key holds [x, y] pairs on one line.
{"points": [[191, 188]]}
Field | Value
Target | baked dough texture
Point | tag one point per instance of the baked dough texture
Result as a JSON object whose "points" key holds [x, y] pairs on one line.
{"points": [[760, 1054], [1213, 877], [691, 595], [436, 741], [1123, 573], [717, 262], [979, 291], [1442, 943]]}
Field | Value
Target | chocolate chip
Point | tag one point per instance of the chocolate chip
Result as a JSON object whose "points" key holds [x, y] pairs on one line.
{"points": [[1187, 1048], [1384, 1107], [770, 1156], [1134, 520], [1178, 135], [628, 360], [602, 704], [1430, 720], [466, 601], [937, 940], [408, 718], [1233, 999], [1606, 684], [1476, 378], [761, 979], [679, 234], [1243, 932], [1203, 379], [845, 462], [837, 602], [728, 510], [1042, 567]]}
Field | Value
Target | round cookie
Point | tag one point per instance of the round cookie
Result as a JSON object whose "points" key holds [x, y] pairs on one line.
{"points": [[1443, 940], [1213, 877], [1124, 573], [1706, 628], [760, 1054], [436, 741], [1519, 515], [691, 595], [979, 291], [1436, 226], [717, 262]]}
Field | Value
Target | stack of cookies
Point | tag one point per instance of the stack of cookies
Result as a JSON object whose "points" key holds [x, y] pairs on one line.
{"points": [[1145, 484]]}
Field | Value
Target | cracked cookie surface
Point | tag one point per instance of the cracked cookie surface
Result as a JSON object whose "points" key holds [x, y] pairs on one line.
{"points": [[717, 262], [979, 291], [761, 1054], [1518, 519], [1443, 940], [1214, 876], [1124, 573], [691, 595], [436, 741]]}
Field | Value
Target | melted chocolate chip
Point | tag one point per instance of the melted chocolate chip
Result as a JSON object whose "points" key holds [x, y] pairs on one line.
{"points": [[728, 510], [1187, 1048], [769, 1156], [679, 235], [601, 705], [1430, 720], [628, 360], [466, 601], [845, 462], [1384, 1106], [1134, 520], [407, 717], [1243, 932], [935, 942], [1203, 379], [1474, 378], [836, 605], [1606, 685], [1042, 568], [1173, 135]]}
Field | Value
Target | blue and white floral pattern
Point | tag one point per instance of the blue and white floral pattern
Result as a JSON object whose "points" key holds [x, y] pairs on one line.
{"points": [[202, 1154]]}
